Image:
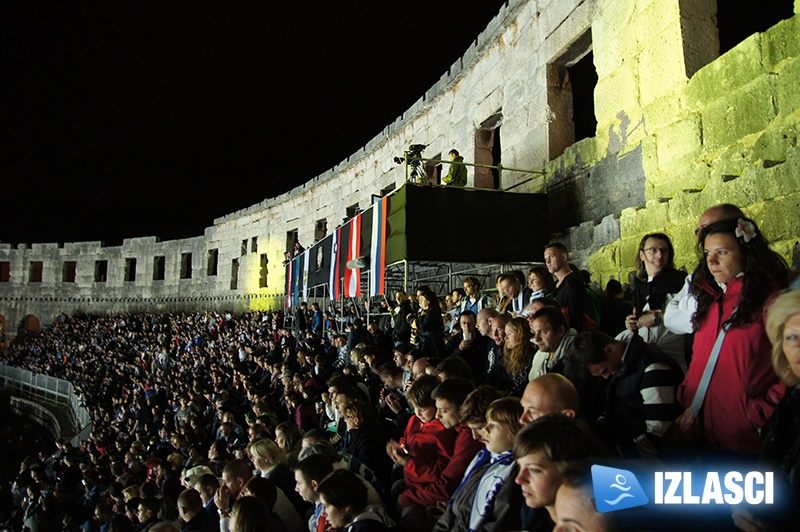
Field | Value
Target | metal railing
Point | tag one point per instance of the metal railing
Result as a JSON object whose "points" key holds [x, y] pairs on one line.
{"points": [[48, 390]]}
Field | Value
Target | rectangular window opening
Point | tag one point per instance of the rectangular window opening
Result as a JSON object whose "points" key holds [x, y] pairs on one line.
{"points": [[5, 271], [351, 212], [35, 276], [68, 271], [488, 152], [100, 271], [262, 272], [571, 80], [130, 270], [213, 262], [254, 245], [159, 268], [186, 265], [291, 240], [320, 230], [234, 274]]}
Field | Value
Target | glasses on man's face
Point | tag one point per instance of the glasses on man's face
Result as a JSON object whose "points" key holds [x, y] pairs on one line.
{"points": [[654, 251]]}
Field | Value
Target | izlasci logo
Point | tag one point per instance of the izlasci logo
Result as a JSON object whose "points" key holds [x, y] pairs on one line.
{"points": [[616, 489]]}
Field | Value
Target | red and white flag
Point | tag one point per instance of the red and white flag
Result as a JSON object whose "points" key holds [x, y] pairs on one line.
{"points": [[352, 277]]}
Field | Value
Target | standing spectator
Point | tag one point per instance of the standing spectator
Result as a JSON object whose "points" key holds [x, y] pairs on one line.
{"points": [[569, 291], [731, 286]]}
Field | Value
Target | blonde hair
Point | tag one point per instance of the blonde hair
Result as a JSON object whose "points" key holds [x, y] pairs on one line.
{"points": [[506, 411], [784, 307], [264, 448], [355, 354]]}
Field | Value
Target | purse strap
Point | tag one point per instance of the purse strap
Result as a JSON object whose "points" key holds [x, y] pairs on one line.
{"points": [[702, 388]]}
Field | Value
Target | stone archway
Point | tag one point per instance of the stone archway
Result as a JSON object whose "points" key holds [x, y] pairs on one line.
{"points": [[29, 325]]}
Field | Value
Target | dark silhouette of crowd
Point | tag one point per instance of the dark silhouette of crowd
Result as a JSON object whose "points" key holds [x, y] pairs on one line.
{"points": [[470, 411]]}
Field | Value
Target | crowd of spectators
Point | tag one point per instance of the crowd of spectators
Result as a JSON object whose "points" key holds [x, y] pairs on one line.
{"points": [[472, 411]]}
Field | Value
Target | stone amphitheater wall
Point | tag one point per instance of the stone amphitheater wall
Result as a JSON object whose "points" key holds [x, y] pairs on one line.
{"points": [[678, 129]]}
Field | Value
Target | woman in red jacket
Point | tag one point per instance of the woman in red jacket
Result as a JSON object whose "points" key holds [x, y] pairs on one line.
{"points": [[732, 284]]}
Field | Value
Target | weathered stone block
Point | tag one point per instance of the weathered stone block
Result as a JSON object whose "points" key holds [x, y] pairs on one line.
{"points": [[661, 68], [681, 138], [677, 176], [661, 112], [607, 231], [718, 79], [685, 207], [684, 242], [655, 217], [745, 111], [781, 41], [629, 248], [732, 161], [772, 146], [611, 49], [614, 93], [699, 33], [778, 218], [627, 221], [788, 95], [603, 264]]}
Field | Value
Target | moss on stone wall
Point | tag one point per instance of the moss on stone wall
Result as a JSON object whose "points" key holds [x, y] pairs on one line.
{"points": [[729, 136]]}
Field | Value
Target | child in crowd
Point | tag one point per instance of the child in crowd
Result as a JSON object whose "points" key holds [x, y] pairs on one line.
{"points": [[424, 452], [485, 498]]}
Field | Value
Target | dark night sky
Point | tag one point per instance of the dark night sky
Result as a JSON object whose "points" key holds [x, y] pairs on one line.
{"points": [[128, 119]]}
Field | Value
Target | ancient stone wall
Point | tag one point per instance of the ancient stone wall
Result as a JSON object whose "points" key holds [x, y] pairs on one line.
{"points": [[678, 129]]}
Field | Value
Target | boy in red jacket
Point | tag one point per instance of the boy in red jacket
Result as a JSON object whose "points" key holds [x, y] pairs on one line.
{"points": [[425, 452]]}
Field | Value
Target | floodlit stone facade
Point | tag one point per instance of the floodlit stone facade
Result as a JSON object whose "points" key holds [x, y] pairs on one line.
{"points": [[678, 129]]}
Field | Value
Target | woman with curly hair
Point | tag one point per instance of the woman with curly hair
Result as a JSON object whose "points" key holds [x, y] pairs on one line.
{"points": [[734, 279], [518, 354]]}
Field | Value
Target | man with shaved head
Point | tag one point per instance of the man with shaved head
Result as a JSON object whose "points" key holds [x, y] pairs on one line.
{"points": [[549, 394]]}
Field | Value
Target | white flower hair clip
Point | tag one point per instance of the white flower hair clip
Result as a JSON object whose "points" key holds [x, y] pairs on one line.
{"points": [[746, 230]]}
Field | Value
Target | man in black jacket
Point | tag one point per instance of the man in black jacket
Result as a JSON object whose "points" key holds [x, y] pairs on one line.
{"points": [[469, 344], [640, 402]]}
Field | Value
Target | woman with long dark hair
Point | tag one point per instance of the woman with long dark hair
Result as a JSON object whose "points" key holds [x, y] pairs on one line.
{"points": [[518, 354], [431, 325], [735, 278], [656, 282]]}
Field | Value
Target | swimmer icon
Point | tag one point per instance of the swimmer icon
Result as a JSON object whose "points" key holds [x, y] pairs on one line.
{"points": [[616, 489]]}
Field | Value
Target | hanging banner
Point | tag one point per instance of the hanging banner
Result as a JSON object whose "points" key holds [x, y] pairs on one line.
{"points": [[352, 277], [377, 256], [296, 283], [335, 274], [306, 256], [289, 279]]}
